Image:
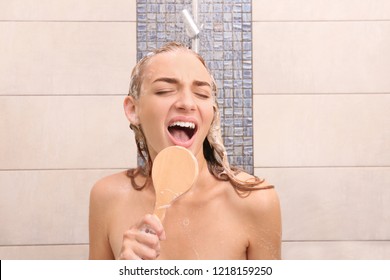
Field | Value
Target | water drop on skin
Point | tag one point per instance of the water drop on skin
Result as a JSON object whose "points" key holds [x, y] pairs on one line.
{"points": [[186, 222]]}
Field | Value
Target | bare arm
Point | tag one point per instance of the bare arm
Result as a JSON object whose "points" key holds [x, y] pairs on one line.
{"points": [[265, 231], [99, 246], [106, 205]]}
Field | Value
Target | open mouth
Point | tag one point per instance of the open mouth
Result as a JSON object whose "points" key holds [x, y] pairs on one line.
{"points": [[182, 132]]}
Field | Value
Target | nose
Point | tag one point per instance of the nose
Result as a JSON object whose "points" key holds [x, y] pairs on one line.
{"points": [[185, 100]]}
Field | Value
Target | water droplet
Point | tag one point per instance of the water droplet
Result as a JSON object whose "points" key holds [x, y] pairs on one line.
{"points": [[186, 222]]}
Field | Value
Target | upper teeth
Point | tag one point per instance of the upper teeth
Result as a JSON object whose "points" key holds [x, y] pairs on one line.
{"points": [[184, 124]]}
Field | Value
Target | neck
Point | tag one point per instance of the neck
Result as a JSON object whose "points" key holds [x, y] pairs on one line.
{"points": [[205, 178]]}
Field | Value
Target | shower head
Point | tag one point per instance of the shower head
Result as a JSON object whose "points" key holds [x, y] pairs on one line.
{"points": [[191, 27]]}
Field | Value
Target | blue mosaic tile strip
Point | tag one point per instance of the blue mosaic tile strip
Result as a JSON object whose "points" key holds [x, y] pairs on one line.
{"points": [[226, 45]]}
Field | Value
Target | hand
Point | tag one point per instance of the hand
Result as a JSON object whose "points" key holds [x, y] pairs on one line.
{"points": [[142, 241]]}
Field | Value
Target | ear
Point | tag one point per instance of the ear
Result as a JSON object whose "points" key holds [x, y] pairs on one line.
{"points": [[130, 106]]}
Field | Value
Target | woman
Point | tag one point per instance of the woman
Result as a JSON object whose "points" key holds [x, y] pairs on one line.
{"points": [[227, 214]]}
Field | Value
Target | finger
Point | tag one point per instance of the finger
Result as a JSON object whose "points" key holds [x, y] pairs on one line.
{"points": [[139, 245], [146, 253], [147, 229], [150, 240], [128, 255], [152, 224]]}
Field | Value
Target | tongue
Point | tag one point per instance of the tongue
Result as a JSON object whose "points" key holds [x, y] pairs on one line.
{"points": [[179, 134]]}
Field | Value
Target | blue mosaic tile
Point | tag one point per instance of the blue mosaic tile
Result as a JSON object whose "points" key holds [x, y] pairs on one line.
{"points": [[218, 36], [161, 19], [248, 160], [228, 84], [228, 131], [228, 74], [218, 18], [228, 66], [237, 9], [247, 93], [218, 46], [238, 150], [248, 131], [247, 141], [238, 83], [238, 141], [247, 46], [247, 36], [228, 121], [227, 18], [237, 17], [228, 55], [248, 150], [247, 74], [247, 65], [226, 44], [238, 103], [229, 141], [218, 75], [238, 122], [237, 74], [237, 26], [238, 93], [237, 63], [237, 160], [238, 112], [228, 93], [228, 111], [247, 121], [246, 8], [237, 56], [247, 83], [246, 27], [247, 103], [247, 111], [247, 17], [217, 8], [204, 9], [208, 46], [142, 18], [228, 102]]}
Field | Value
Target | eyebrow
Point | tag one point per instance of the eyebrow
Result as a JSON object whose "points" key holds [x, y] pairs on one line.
{"points": [[176, 81]]}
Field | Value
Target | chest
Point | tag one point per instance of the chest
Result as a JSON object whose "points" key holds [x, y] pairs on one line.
{"points": [[195, 229], [203, 231]]}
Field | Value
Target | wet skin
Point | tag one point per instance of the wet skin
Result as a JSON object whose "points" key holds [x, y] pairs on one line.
{"points": [[211, 221]]}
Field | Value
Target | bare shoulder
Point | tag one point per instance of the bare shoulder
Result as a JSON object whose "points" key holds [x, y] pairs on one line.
{"points": [[105, 195], [262, 200], [262, 218], [110, 186]]}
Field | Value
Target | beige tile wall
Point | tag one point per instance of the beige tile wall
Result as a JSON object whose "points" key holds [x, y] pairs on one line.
{"points": [[320, 10], [64, 72], [322, 123], [66, 58]]}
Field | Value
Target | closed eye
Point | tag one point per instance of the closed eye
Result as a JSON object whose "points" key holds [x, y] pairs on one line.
{"points": [[202, 92], [165, 92], [203, 95]]}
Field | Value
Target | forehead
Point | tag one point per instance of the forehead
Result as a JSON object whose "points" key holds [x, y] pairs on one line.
{"points": [[181, 64]]}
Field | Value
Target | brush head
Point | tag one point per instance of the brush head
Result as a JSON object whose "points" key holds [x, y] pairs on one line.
{"points": [[174, 171]]}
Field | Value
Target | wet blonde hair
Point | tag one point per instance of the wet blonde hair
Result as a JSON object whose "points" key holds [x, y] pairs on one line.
{"points": [[213, 148]]}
